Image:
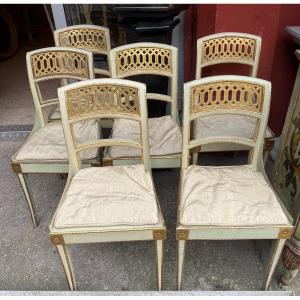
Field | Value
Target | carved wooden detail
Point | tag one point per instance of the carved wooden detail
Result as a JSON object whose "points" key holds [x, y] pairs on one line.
{"points": [[84, 38], [291, 255], [231, 47], [52, 63], [102, 99], [182, 234], [227, 95], [144, 59], [159, 234]]}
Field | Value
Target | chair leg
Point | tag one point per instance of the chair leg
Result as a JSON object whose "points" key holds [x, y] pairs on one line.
{"points": [[159, 260], [195, 158], [23, 178], [180, 258], [67, 264], [276, 250]]}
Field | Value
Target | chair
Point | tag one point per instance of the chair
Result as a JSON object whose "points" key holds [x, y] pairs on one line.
{"points": [[228, 202], [44, 151], [87, 37], [229, 48], [164, 132], [106, 204]]}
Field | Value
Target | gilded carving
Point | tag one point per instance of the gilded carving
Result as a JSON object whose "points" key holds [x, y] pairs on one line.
{"points": [[57, 62], [102, 99], [227, 95], [144, 58], [229, 47], [159, 234], [85, 38]]}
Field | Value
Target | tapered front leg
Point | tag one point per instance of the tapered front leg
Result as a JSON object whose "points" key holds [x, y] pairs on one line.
{"points": [[67, 264], [159, 256], [180, 258]]}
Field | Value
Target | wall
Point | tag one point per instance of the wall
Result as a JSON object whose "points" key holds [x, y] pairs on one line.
{"points": [[277, 62]]}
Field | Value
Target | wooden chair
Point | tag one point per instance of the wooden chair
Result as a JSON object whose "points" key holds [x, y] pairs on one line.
{"points": [[106, 204], [230, 202], [44, 151], [87, 37], [164, 132], [229, 48]]}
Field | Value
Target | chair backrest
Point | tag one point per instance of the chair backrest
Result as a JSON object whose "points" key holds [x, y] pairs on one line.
{"points": [[221, 95], [53, 63], [87, 37], [228, 47], [148, 58], [103, 98]]}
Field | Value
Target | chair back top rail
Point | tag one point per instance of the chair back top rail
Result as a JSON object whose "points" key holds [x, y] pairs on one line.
{"points": [[87, 37], [148, 59], [55, 63], [228, 47], [217, 95], [103, 98]]}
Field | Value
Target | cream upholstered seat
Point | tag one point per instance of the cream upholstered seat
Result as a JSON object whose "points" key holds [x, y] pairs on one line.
{"points": [[109, 196], [164, 137], [48, 143], [153, 59], [106, 204], [229, 48], [228, 196], [235, 125], [44, 151], [228, 202]]}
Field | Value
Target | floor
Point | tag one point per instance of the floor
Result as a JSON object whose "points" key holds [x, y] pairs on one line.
{"points": [[30, 263]]}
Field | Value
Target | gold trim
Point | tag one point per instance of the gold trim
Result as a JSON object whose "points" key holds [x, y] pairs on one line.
{"points": [[107, 162], [182, 234], [57, 239], [159, 234], [285, 233], [16, 167]]}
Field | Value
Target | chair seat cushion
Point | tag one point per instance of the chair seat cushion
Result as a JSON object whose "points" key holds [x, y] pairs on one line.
{"points": [[48, 142], [228, 196], [227, 125], [109, 196], [56, 114], [164, 137]]}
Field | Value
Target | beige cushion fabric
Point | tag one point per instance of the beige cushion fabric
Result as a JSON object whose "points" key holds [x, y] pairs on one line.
{"points": [[56, 114], [227, 125], [164, 137], [228, 196], [48, 142], [109, 196]]}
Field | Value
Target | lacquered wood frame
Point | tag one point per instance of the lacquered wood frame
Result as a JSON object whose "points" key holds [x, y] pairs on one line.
{"points": [[65, 236], [169, 70], [229, 48], [25, 167], [183, 232]]}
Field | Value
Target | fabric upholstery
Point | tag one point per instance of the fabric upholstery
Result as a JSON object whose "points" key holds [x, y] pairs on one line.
{"points": [[48, 142], [164, 137], [227, 125], [56, 114], [228, 196], [109, 196]]}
